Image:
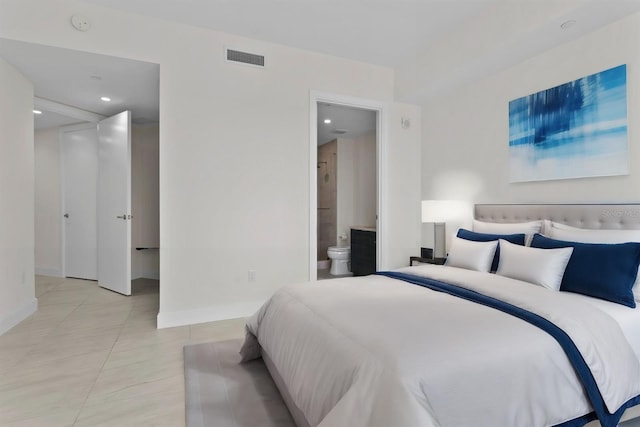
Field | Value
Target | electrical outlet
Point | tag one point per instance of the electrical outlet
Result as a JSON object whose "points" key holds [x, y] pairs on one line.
{"points": [[252, 275]]}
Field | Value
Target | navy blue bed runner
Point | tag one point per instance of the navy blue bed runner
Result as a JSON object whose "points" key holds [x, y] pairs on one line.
{"points": [[582, 369]]}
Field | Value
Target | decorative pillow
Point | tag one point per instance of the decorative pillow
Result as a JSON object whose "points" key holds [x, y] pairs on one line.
{"points": [[567, 233], [543, 267], [529, 228], [605, 271], [518, 239], [471, 255]]}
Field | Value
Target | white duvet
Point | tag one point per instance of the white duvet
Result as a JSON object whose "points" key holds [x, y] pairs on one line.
{"points": [[378, 352]]}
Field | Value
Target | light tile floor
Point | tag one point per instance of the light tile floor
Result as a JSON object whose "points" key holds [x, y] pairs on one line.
{"points": [[91, 357]]}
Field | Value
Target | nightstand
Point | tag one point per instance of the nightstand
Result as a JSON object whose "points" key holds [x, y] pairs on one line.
{"points": [[420, 260]]}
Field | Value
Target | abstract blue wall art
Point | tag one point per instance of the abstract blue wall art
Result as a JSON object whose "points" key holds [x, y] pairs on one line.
{"points": [[575, 130]]}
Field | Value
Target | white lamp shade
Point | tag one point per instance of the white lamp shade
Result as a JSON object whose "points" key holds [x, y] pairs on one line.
{"points": [[445, 211]]}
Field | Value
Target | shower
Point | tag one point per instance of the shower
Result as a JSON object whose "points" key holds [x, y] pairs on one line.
{"points": [[326, 174]]}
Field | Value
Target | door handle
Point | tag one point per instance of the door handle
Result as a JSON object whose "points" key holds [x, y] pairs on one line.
{"points": [[122, 217], [66, 215]]}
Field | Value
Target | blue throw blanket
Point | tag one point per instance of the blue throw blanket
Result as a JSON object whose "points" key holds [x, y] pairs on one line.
{"points": [[582, 370]]}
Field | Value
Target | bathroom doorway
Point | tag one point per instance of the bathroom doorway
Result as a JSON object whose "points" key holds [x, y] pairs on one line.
{"points": [[345, 186]]}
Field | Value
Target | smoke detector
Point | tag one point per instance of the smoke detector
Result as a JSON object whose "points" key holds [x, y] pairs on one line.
{"points": [[80, 23], [568, 24]]}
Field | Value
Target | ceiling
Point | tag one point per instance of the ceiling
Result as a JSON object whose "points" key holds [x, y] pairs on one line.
{"points": [[79, 79], [346, 122], [383, 32], [390, 33]]}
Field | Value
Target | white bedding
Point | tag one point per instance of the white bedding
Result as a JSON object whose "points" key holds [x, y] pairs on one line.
{"points": [[377, 352], [628, 319]]}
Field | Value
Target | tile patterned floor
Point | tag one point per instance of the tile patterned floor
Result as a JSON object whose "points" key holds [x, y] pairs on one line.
{"points": [[91, 357]]}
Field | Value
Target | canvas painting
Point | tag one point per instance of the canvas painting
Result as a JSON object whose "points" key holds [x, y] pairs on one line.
{"points": [[575, 130]]}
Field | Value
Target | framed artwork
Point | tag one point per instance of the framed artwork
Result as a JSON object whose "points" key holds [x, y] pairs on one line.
{"points": [[574, 130]]}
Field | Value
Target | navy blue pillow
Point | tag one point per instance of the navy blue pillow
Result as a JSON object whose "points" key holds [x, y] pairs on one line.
{"points": [[605, 271], [517, 239]]}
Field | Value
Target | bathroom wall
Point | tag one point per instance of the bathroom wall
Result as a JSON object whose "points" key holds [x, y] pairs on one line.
{"points": [[357, 195], [327, 198]]}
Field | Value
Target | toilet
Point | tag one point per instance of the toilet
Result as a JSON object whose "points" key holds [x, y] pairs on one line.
{"points": [[339, 259]]}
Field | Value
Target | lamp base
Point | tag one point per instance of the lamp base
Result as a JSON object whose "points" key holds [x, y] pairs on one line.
{"points": [[439, 240]]}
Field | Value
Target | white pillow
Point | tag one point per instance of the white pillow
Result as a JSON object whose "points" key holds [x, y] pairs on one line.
{"points": [[543, 267], [565, 232], [528, 228], [471, 255], [572, 234]]}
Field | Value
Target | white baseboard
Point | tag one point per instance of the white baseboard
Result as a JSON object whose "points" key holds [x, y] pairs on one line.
{"points": [[12, 319], [52, 272], [210, 314]]}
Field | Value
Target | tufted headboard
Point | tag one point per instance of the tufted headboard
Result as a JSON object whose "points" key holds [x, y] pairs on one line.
{"points": [[592, 216]]}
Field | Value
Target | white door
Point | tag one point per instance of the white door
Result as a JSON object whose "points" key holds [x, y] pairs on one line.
{"points": [[114, 203], [80, 175]]}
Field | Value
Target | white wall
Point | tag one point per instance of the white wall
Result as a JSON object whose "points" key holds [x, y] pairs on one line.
{"points": [[465, 133], [404, 207], [17, 289], [234, 151], [357, 184], [145, 201], [48, 254]]}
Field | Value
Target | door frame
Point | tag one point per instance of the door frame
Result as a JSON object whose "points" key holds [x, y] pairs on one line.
{"points": [[63, 207], [382, 142]]}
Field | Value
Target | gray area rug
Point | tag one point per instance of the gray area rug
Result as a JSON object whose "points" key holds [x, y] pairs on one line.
{"points": [[222, 392]]}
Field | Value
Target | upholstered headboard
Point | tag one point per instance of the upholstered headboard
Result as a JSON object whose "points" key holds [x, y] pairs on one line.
{"points": [[592, 216]]}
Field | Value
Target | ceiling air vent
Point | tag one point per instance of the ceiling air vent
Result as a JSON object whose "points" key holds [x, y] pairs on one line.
{"points": [[245, 58]]}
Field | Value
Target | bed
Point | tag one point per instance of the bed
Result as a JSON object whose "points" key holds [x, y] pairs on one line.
{"points": [[451, 346]]}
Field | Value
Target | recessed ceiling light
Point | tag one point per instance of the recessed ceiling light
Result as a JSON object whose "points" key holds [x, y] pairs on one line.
{"points": [[105, 99], [37, 112], [568, 24], [327, 121]]}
